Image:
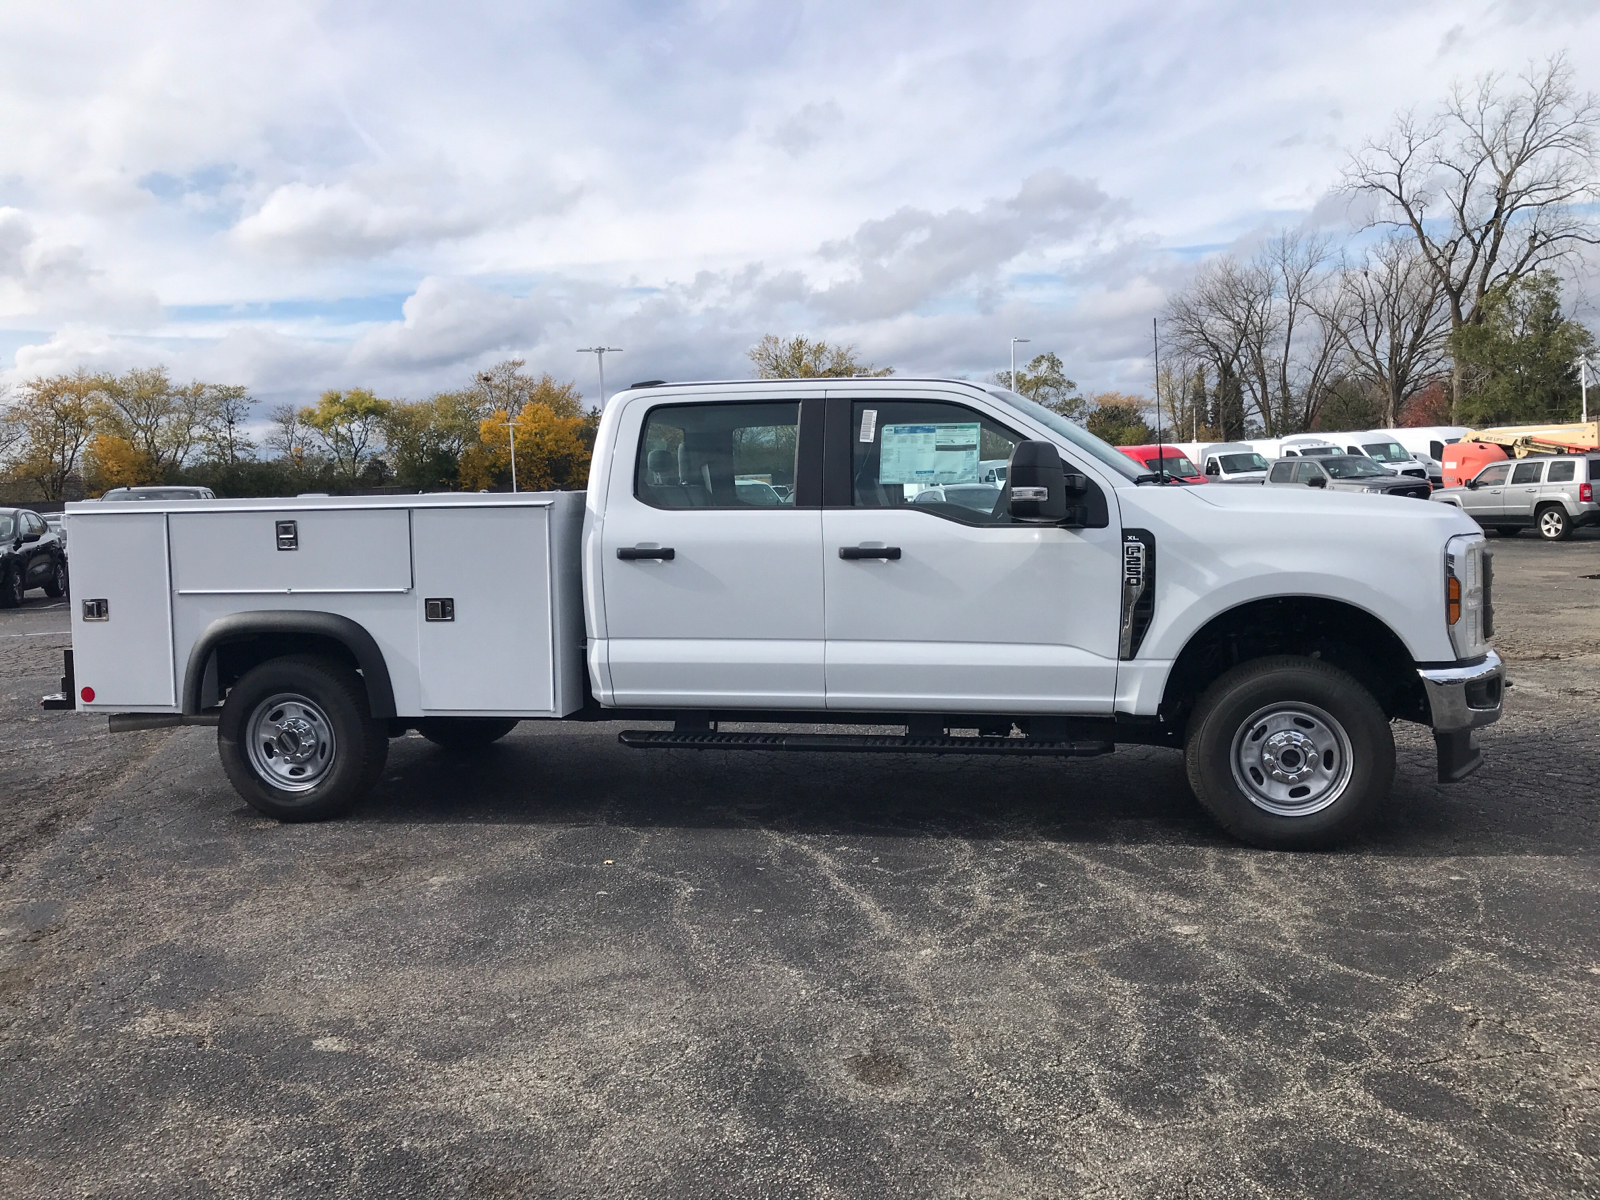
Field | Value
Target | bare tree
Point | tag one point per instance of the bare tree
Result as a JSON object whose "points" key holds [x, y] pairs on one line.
{"points": [[1210, 321], [1393, 321], [1492, 187], [288, 435]]}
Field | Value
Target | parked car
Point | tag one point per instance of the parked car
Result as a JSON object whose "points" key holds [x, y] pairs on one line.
{"points": [[58, 526], [177, 492], [1388, 453], [1233, 462], [979, 497], [1345, 473], [992, 470], [1165, 459], [1551, 493], [30, 557]]}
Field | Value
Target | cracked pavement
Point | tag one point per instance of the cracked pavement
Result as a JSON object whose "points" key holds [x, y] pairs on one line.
{"points": [[563, 968]]}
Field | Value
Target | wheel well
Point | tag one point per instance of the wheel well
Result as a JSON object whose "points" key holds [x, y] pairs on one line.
{"points": [[234, 644], [1336, 632]]}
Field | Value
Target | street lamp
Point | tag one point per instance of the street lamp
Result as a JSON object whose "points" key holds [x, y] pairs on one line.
{"points": [[1583, 376], [600, 353], [1014, 342]]}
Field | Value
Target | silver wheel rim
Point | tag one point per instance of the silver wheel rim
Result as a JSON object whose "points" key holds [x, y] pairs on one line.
{"points": [[1291, 759], [1550, 524], [291, 742]]}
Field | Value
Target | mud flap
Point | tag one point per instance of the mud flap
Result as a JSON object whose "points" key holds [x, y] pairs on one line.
{"points": [[1459, 755]]}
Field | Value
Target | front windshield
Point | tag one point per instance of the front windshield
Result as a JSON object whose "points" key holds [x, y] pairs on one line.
{"points": [[1234, 463], [1175, 464], [1350, 467], [1386, 451], [1076, 435]]}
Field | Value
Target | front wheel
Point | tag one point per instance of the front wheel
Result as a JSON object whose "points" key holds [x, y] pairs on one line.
{"points": [[1554, 525], [298, 741], [13, 588], [1290, 753]]}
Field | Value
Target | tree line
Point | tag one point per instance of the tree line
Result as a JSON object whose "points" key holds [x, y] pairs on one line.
{"points": [[83, 432], [1450, 310]]}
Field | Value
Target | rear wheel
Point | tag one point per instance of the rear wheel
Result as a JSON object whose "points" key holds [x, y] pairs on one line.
{"points": [[1508, 530], [57, 587], [1553, 523], [1290, 753], [297, 739], [465, 733]]}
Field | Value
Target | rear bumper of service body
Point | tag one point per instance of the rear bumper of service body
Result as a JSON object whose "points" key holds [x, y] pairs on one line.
{"points": [[1460, 700]]}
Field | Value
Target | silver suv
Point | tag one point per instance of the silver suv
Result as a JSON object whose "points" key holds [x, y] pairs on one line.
{"points": [[1552, 493]]}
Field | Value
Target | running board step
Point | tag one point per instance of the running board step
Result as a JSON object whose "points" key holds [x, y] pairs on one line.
{"points": [[649, 739]]}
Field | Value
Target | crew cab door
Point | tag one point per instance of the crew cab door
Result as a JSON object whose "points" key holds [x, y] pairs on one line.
{"points": [[711, 575], [936, 600]]}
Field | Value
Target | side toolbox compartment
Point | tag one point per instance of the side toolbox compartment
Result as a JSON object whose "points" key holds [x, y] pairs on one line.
{"points": [[122, 612], [497, 606]]}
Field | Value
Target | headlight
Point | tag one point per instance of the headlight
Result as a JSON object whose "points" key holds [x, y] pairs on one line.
{"points": [[1379, 490], [1467, 609]]}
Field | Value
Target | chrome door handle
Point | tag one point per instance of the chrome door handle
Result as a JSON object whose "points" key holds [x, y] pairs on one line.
{"points": [[889, 552], [629, 553]]}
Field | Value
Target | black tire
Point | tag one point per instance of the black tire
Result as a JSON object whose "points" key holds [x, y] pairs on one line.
{"points": [[1553, 523], [57, 587], [12, 590], [1257, 718], [466, 733], [323, 695], [1508, 530]]}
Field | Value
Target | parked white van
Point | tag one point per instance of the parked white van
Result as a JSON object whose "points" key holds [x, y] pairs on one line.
{"points": [[1232, 462]]}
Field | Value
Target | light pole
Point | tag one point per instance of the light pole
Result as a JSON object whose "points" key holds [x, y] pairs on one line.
{"points": [[511, 428], [600, 353], [1583, 376], [1014, 342]]}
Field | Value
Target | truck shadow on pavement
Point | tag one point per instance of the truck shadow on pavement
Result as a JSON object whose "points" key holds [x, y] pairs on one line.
{"points": [[1139, 795]]}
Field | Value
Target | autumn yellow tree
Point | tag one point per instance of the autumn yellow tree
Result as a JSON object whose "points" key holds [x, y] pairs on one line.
{"points": [[551, 451], [48, 426]]}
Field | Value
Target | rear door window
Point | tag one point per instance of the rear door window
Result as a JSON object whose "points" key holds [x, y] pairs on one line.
{"points": [[1282, 472], [719, 456], [1561, 472], [1527, 472]]}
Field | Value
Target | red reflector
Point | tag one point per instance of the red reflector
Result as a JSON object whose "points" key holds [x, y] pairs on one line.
{"points": [[1586, 493], [88, 695]]}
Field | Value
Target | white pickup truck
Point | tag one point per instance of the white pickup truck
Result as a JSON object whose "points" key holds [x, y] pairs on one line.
{"points": [[753, 554]]}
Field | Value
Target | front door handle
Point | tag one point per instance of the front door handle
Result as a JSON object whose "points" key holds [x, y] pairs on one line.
{"points": [[629, 553], [890, 552]]}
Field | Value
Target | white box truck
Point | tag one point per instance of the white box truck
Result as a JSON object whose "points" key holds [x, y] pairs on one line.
{"points": [[756, 553]]}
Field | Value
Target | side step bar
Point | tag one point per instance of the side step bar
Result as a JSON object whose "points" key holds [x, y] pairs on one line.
{"points": [[648, 739]]}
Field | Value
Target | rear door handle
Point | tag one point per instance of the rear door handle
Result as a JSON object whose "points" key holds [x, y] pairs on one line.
{"points": [[629, 553], [891, 552]]}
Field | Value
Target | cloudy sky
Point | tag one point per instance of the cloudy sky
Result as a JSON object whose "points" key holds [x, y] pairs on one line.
{"points": [[301, 195]]}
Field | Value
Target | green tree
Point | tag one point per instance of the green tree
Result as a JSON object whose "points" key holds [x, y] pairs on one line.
{"points": [[1119, 419], [800, 358], [1044, 381], [349, 428], [425, 439], [1519, 364]]}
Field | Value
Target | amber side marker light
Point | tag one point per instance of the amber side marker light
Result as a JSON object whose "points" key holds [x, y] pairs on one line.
{"points": [[1452, 596]]}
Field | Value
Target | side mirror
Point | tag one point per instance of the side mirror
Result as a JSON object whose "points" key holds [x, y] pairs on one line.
{"points": [[1317, 481], [30, 537], [1472, 485], [1038, 484]]}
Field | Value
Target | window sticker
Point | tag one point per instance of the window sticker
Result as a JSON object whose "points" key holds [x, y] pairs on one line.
{"points": [[869, 423], [925, 455]]}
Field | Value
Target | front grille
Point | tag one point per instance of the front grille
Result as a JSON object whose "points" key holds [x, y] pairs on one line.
{"points": [[1416, 474], [1416, 493]]}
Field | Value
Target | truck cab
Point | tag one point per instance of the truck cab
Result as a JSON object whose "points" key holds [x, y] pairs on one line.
{"points": [[1268, 635]]}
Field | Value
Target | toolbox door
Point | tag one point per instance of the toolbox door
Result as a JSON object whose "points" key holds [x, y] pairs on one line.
{"points": [[123, 650], [483, 579]]}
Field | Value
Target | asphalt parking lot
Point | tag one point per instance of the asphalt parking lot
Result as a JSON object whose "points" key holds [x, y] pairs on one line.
{"points": [[563, 968]]}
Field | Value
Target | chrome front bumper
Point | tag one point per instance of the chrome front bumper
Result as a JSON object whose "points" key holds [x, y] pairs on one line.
{"points": [[1461, 699]]}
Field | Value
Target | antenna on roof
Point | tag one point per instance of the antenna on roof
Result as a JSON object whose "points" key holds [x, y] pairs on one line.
{"points": [[1161, 459]]}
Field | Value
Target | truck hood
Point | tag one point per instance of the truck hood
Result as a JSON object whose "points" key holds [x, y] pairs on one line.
{"points": [[1333, 507]]}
